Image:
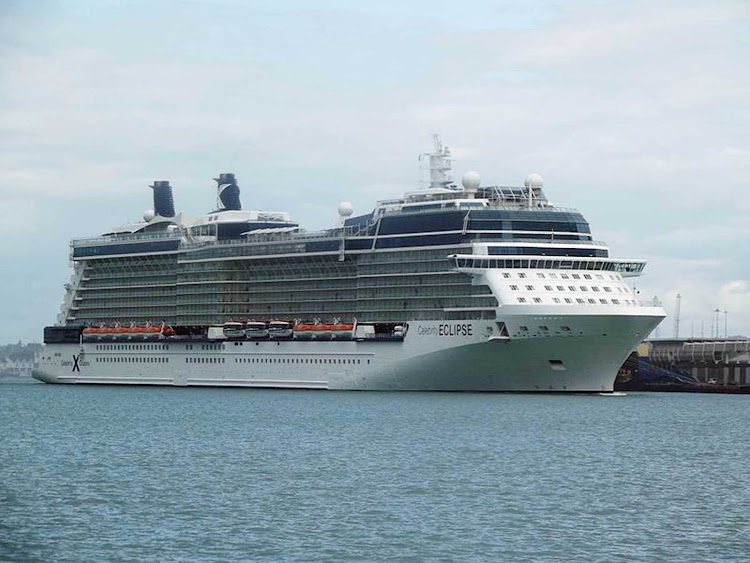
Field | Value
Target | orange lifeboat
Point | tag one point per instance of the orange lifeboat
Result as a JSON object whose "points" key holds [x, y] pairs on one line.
{"points": [[146, 331], [323, 331], [97, 332], [342, 330], [303, 331]]}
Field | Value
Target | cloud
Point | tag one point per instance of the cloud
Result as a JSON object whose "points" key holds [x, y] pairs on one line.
{"points": [[734, 297], [636, 113]]}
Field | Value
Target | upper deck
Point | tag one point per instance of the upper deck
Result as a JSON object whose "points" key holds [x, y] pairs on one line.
{"points": [[507, 220], [442, 222], [442, 253]]}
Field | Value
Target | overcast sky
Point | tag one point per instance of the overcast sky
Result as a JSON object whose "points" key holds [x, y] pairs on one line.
{"points": [[635, 113]]}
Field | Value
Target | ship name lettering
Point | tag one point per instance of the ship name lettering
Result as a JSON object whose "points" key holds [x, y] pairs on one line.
{"points": [[456, 329]]}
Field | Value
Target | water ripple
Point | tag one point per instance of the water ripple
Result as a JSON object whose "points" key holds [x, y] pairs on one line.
{"points": [[135, 474]]}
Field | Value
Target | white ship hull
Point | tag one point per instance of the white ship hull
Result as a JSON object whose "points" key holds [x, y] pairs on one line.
{"points": [[434, 356]]}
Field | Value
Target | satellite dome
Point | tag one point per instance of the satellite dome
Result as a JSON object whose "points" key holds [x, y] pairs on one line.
{"points": [[148, 215], [471, 180], [345, 209], [534, 180]]}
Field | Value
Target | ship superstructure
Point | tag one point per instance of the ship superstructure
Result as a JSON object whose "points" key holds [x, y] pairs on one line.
{"points": [[449, 287]]}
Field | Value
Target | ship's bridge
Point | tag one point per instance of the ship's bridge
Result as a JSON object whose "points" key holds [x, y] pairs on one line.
{"points": [[472, 263], [554, 284]]}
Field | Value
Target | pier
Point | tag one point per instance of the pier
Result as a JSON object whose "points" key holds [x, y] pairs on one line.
{"points": [[712, 365]]}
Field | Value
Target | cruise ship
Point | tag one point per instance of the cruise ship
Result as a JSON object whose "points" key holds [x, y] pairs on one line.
{"points": [[451, 287]]}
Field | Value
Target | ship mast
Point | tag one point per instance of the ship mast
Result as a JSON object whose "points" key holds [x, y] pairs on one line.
{"points": [[439, 165]]}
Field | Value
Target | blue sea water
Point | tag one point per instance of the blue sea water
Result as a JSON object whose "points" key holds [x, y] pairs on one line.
{"points": [[172, 474]]}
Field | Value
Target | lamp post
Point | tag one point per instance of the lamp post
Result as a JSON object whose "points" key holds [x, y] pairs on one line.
{"points": [[717, 311], [726, 335]]}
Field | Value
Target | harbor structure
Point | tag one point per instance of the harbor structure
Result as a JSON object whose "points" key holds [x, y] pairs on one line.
{"points": [[719, 361]]}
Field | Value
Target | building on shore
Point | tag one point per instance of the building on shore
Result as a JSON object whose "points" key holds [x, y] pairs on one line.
{"points": [[17, 360], [17, 367]]}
